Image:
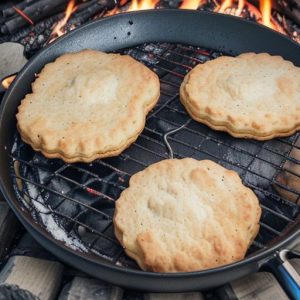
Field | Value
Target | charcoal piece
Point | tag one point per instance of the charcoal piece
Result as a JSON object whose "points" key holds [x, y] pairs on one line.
{"points": [[96, 234], [37, 11], [27, 246], [13, 292], [42, 276], [95, 220], [89, 10], [89, 289], [86, 236], [107, 248], [56, 191], [259, 286]]}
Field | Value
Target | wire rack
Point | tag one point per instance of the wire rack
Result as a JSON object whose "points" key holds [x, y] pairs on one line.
{"points": [[75, 202]]}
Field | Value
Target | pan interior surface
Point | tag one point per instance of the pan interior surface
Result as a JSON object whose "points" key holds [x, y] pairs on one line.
{"points": [[75, 202], [72, 204]]}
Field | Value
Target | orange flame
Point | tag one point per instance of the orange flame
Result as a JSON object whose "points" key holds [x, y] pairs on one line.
{"points": [[265, 7], [190, 4], [144, 4], [8, 81], [225, 4], [241, 5], [262, 14], [112, 12], [134, 5], [58, 29]]}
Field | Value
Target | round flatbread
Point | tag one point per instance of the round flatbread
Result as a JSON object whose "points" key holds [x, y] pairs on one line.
{"points": [[249, 96], [182, 215], [87, 105]]}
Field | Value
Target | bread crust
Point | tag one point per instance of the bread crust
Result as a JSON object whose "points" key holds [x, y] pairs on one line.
{"points": [[249, 96], [87, 105], [183, 215]]}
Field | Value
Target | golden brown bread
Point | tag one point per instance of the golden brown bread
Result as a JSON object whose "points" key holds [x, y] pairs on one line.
{"points": [[249, 96], [87, 105], [186, 215]]}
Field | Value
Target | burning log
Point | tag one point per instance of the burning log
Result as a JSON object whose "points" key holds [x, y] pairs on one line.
{"points": [[85, 288], [36, 30], [9, 226], [89, 10], [37, 11], [10, 11], [36, 278], [289, 8]]}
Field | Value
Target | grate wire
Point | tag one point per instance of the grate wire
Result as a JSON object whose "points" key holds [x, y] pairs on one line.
{"points": [[81, 197]]}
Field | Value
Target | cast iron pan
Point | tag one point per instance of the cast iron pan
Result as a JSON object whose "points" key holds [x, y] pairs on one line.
{"points": [[220, 32]]}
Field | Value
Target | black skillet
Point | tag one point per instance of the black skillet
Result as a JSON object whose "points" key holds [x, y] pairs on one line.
{"points": [[224, 33]]}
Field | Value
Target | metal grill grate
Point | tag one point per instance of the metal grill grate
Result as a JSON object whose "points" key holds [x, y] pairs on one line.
{"points": [[75, 202]]}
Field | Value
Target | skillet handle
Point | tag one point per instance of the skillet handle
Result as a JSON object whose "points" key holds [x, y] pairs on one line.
{"points": [[286, 274]]}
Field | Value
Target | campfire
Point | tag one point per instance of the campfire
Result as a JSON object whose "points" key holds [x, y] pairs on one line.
{"points": [[38, 23], [45, 20]]}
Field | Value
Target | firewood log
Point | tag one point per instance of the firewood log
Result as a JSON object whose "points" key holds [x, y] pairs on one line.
{"points": [[88, 289], [30, 278]]}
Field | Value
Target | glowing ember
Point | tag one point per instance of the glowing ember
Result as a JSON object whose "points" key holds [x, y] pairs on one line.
{"points": [[23, 15], [112, 12], [190, 4], [58, 30], [7, 81]]}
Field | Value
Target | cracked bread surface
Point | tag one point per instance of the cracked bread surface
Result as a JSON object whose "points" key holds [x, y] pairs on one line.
{"points": [[249, 96], [183, 215], [87, 105]]}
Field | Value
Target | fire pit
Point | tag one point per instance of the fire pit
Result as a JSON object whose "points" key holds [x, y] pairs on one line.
{"points": [[74, 198]]}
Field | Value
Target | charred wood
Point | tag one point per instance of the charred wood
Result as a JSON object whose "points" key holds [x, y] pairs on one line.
{"points": [[37, 11], [13, 292], [91, 8], [33, 277], [10, 11], [37, 29], [291, 9], [27, 246]]}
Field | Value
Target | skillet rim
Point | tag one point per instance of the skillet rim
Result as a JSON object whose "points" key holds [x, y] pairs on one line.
{"points": [[257, 258]]}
